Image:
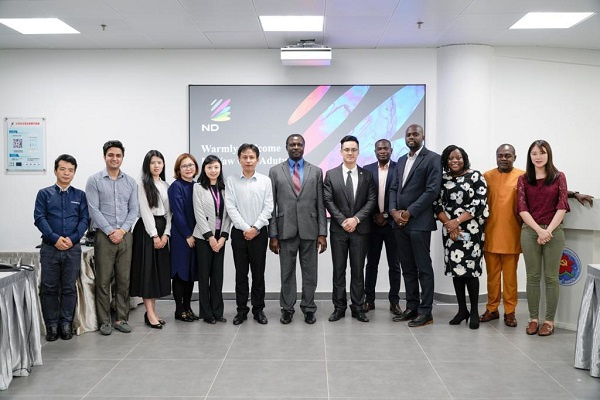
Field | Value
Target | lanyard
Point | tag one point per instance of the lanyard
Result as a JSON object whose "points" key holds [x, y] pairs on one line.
{"points": [[217, 198]]}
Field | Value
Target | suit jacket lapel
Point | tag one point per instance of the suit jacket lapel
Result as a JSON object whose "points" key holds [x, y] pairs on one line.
{"points": [[286, 172], [418, 161]]}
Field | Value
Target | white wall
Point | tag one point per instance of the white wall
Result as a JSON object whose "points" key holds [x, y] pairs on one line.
{"points": [[140, 97]]}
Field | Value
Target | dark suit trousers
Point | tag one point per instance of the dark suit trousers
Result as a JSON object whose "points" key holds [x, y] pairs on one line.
{"points": [[249, 255], [288, 250], [342, 245], [413, 250], [378, 236], [210, 279]]}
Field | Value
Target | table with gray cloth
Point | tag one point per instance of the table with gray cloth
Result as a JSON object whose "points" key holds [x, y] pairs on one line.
{"points": [[84, 319], [587, 345], [20, 325]]}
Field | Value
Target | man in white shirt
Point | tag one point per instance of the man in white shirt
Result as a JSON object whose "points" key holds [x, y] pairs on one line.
{"points": [[249, 202]]}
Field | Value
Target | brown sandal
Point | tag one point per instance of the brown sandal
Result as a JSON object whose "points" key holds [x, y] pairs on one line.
{"points": [[532, 328], [546, 329]]}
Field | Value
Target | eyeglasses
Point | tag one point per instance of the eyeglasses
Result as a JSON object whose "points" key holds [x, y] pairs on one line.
{"points": [[347, 150], [188, 166]]}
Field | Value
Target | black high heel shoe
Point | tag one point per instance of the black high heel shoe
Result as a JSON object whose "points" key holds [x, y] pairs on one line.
{"points": [[474, 324], [150, 324], [162, 321], [460, 317]]}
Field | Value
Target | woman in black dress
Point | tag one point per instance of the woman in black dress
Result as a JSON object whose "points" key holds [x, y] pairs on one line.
{"points": [[150, 263], [462, 208]]}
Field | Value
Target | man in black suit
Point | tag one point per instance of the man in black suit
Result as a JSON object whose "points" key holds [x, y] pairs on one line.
{"points": [[381, 230], [349, 194], [415, 185], [298, 226]]}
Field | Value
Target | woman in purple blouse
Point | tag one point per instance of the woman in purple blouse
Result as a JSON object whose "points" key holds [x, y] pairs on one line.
{"points": [[542, 204]]}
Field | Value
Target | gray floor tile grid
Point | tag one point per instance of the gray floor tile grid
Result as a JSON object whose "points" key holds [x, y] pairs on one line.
{"points": [[340, 360]]}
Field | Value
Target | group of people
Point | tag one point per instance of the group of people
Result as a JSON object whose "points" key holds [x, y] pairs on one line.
{"points": [[182, 228]]}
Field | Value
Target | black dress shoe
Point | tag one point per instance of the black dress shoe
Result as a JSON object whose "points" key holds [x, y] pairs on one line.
{"points": [[51, 333], [66, 332], [183, 316], [395, 309], [368, 305], [474, 323], [421, 320], [221, 319], [210, 320], [407, 315], [359, 315], [240, 318], [261, 318], [336, 315], [193, 316], [309, 318], [286, 317]]}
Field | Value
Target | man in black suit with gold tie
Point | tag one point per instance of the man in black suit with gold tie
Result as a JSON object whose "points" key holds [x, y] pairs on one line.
{"points": [[381, 231], [415, 185], [349, 194]]}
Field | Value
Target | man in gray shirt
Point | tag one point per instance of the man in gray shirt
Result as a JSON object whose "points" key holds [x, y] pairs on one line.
{"points": [[113, 207]]}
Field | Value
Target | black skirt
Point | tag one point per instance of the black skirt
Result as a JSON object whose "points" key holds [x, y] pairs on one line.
{"points": [[150, 267]]}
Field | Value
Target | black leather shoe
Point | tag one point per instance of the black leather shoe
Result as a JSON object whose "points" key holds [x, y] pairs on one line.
{"points": [[261, 318], [407, 315], [210, 320], [183, 317], [66, 332], [421, 320], [395, 309], [309, 318], [336, 315], [221, 319], [360, 315], [51, 333], [368, 305], [193, 316], [286, 317], [240, 318]]}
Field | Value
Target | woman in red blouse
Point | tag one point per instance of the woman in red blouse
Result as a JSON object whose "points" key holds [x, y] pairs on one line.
{"points": [[542, 195]]}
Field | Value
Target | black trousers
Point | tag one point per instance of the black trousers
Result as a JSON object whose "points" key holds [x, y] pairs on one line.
{"points": [[378, 236], [413, 250], [249, 255], [210, 279], [346, 245]]}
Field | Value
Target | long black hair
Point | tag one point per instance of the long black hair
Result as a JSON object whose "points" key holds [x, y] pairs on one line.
{"points": [[446, 156], [204, 180], [551, 170], [150, 188]]}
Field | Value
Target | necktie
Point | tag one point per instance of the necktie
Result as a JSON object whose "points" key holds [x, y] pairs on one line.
{"points": [[296, 179], [350, 191]]}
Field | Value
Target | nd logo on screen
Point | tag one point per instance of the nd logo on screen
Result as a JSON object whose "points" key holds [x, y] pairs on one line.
{"points": [[219, 112]]}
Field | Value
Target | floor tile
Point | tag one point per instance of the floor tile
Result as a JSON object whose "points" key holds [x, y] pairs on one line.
{"points": [[92, 346], [578, 382], [374, 347], [275, 379], [498, 380], [158, 378], [270, 346], [183, 347]]}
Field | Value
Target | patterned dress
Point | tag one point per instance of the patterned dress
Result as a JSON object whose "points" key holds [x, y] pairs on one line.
{"points": [[459, 194]]}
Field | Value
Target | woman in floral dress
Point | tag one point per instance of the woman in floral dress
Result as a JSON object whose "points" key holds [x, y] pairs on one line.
{"points": [[462, 208]]}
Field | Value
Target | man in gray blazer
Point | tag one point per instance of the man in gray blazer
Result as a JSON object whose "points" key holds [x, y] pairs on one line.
{"points": [[415, 185], [349, 194], [298, 225]]}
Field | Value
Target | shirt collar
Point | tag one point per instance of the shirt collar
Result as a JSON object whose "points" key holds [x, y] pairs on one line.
{"points": [[416, 153], [59, 189], [345, 169], [291, 163], [243, 177], [385, 167], [105, 174]]}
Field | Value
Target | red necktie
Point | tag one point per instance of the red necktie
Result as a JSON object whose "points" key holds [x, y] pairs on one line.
{"points": [[296, 179]]}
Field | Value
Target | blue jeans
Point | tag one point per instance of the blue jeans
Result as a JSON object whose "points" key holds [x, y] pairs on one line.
{"points": [[60, 270]]}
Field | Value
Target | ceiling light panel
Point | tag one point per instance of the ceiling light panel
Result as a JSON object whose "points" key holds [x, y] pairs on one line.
{"points": [[551, 20], [38, 26], [291, 23]]}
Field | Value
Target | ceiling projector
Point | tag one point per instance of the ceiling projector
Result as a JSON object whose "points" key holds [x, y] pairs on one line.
{"points": [[306, 55]]}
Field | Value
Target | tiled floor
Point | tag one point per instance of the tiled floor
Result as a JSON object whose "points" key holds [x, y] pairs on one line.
{"points": [[329, 360]]}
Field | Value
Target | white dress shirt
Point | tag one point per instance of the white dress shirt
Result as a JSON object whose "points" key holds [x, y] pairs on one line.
{"points": [[249, 202], [409, 163]]}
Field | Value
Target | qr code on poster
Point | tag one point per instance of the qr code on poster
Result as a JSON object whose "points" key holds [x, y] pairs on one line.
{"points": [[17, 143]]}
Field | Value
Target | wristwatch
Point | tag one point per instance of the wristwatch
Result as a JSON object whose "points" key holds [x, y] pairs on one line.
{"points": [[385, 215]]}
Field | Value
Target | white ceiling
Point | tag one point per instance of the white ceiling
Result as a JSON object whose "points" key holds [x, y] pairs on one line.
{"points": [[349, 24]]}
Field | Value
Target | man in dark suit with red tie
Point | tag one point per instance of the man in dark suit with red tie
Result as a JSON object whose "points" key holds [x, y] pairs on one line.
{"points": [[381, 230], [298, 226], [349, 194], [415, 185]]}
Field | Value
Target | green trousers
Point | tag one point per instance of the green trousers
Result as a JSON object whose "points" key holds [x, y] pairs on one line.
{"points": [[540, 258]]}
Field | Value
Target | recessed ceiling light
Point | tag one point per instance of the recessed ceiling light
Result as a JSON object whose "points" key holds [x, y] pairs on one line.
{"points": [[551, 20], [291, 23], [38, 26]]}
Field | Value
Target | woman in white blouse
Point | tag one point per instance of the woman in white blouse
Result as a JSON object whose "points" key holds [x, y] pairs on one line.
{"points": [[211, 232], [150, 264]]}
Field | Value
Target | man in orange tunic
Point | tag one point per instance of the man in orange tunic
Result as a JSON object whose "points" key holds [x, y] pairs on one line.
{"points": [[502, 236]]}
